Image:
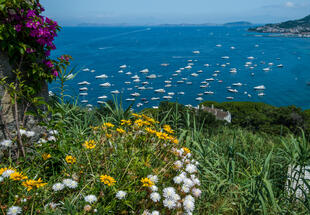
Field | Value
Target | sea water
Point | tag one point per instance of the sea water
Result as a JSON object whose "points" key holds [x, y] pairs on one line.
{"points": [[103, 50]]}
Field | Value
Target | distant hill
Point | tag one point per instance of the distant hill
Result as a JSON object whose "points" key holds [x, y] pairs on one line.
{"points": [[241, 23], [300, 27]]}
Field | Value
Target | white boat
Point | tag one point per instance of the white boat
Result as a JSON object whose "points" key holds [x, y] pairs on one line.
{"points": [[107, 84], [194, 74], [167, 97], [209, 92], [175, 74], [230, 98], [135, 77], [123, 66], [155, 98], [178, 71], [270, 64], [260, 87], [92, 70], [180, 82], [141, 88], [84, 101], [121, 71], [83, 94], [280, 65], [199, 71], [203, 86], [237, 84], [188, 67], [145, 83], [136, 80], [206, 65], [168, 85], [127, 82], [181, 93], [100, 102], [210, 79], [131, 99], [232, 48], [102, 97], [103, 76], [167, 82], [144, 71], [251, 58], [135, 94], [225, 57], [153, 76], [115, 92], [89, 105], [160, 91], [83, 89], [139, 105], [196, 52], [233, 90], [171, 93], [233, 71], [86, 70], [189, 83], [83, 83], [128, 73], [266, 69], [164, 64], [261, 94], [199, 99], [190, 64], [214, 75], [218, 45], [217, 71]]}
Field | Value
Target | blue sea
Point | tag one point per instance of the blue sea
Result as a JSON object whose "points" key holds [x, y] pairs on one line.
{"points": [[102, 50]]}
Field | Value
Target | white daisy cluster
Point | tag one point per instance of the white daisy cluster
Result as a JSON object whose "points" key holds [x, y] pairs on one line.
{"points": [[65, 183], [14, 210], [121, 194], [28, 134], [6, 143], [90, 199]]}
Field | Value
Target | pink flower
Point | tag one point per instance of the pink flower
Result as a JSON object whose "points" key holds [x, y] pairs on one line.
{"points": [[49, 64], [30, 50], [18, 27], [55, 73]]}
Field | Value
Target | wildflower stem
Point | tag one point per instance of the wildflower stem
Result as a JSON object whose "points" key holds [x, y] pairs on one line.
{"points": [[91, 168]]}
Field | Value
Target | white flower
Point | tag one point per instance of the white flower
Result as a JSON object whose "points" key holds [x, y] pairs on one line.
{"points": [[178, 164], [185, 188], [1, 179], [69, 77], [51, 138], [154, 188], [14, 210], [168, 192], [7, 173], [53, 132], [90, 199], [6, 143], [121, 194], [177, 180], [153, 178], [95, 210], [188, 205], [24, 200], [176, 197], [155, 213], [183, 175], [191, 168], [70, 183], [50, 93], [168, 203], [196, 192], [30, 133], [41, 140], [155, 197], [58, 186], [188, 182], [22, 132], [190, 198]]}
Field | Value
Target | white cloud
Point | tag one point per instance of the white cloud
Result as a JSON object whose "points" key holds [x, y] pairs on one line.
{"points": [[289, 4]]}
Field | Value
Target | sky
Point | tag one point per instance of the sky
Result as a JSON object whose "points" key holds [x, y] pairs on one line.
{"points": [[146, 12]]}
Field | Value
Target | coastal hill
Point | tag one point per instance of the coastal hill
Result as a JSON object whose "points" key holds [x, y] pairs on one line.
{"points": [[300, 27]]}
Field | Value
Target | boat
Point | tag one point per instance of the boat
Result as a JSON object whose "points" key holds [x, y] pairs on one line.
{"points": [[167, 82], [181, 93], [84, 101], [123, 66], [155, 98], [230, 98], [115, 92], [103, 76], [180, 82], [83, 89], [225, 57], [127, 82], [144, 71], [86, 70], [266, 69], [164, 64], [136, 80], [168, 85], [218, 45], [188, 67], [196, 52], [131, 99], [139, 105], [160, 91], [100, 102], [171, 93], [203, 86], [209, 92], [260, 87], [167, 97], [280, 65], [128, 73], [199, 71], [141, 88], [102, 97], [83, 83], [237, 84], [153, 76], [251, 58], [206, 65], [233, 90], [199, 99], [92, 70], [89, 105], [194, 74], [189, 83], [135, 77], [83, 94], [232, 48], [107, 84], [261, 94], [121, 71], [145, 83], [210, 79]]}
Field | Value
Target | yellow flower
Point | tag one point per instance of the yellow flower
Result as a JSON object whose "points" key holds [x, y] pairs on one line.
{"points": [[108, 180], [90, 144], [136, 115], [125, 122], [46, 156], [95, 128], [108, 125], [186, 150], [162, 135], [150, 131], [18, 176], [168, 129], [2, 170], [30, 184], [70, 159], [149, 119], [108, 135], [121, 131], [147, 182], [175, 141]]}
